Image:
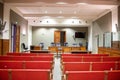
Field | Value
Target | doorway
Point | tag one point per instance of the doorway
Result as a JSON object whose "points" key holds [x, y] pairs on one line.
{"points": [[15, 38], [60, 37]]}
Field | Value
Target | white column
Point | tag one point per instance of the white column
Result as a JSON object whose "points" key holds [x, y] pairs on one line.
{"points": [[6, 18], [114, 19]]}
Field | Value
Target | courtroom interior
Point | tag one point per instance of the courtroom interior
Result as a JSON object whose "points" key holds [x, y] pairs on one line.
{"points": [[59, 39]]}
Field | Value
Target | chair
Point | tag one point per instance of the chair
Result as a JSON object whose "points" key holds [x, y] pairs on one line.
{"points": [[59, 47], [42, 45], [52, 44], [24, 48], [66, 44]]}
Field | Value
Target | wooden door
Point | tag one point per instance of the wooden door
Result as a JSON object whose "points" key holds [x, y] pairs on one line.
{"points": [[17, 39], [59, 37]]}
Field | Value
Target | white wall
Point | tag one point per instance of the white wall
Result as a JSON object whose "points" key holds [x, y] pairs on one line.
{"points": [[96, 30], [29, 36], [90, 38], [114, 19], [46, 35]]}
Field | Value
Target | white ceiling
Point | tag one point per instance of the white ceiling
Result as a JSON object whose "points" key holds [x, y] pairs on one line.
{"points": [[82, 9]]}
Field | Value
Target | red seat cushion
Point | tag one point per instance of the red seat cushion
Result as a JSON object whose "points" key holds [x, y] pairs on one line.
{"points": [[85, 75], [38, 65], [11, 65], [114, 75], [4, 75], [76, 66], [99, 66], [72, 59], [30, 74]]}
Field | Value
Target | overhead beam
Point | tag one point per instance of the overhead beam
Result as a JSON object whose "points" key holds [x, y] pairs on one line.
{"points": [[104, 2]]}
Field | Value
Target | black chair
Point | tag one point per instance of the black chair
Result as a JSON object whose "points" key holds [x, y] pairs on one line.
{"points": [[41, 45], [52, 44], [65, 43], [24, 48]]}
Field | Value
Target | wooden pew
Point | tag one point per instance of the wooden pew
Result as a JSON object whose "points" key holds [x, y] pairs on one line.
{"points": [[84, 55], [27, 58], [88, 59], [75, 66], [111, 58], [89, 66], [114, 75], [26, 65], [92, 58], [72, 59], [29, 54], [101, 66], [24, 74], [84, 75], [92, 75]]}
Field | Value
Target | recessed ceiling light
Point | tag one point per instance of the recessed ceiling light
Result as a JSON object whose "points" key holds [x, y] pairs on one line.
{"points": [[72, 21], [82, 3], [61, 3], [46, 12], [75, 12], [60, 12], [79, 21], [60, 17]]}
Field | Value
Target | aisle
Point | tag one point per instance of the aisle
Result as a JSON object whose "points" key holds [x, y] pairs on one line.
{"points": [[57, 70]]}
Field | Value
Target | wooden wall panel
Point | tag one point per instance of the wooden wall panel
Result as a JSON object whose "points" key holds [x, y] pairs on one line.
{"points": [[5, 46], [1, 47], [110, 51], [116, 44]]}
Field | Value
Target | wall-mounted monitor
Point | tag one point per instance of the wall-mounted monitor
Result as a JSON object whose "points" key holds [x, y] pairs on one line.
{"points": [[79, 34]]}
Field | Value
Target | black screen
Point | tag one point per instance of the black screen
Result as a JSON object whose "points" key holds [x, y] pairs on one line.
{"points": [[79, 34]]}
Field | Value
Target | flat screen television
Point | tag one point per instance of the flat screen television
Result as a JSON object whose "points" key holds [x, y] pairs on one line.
{"points": [[79, 34]]}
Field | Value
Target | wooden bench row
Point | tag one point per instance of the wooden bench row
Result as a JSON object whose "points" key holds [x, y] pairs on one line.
{"points": [[29, 54], [27, 58], [90, 66], [69, 54], [92, 75], [89, 58], [26, 65], [25, 74]]}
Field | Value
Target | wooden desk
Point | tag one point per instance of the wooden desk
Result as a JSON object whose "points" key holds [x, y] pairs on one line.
{"points": [[80, 52], [75, 48], [66, 49], [53, 49], [39, 51], [32, 47]]}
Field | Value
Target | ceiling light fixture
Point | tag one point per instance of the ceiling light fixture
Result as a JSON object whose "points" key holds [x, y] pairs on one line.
{"points": [[60, 12], [46, 12], [82, 3], [75, 12], [61, 3], [34, 21], [72, 21]]}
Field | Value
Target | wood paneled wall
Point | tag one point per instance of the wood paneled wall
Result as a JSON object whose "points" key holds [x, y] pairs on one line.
{"points": [[110, 51], [4, 46], [1, 47], [116, 44]]}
